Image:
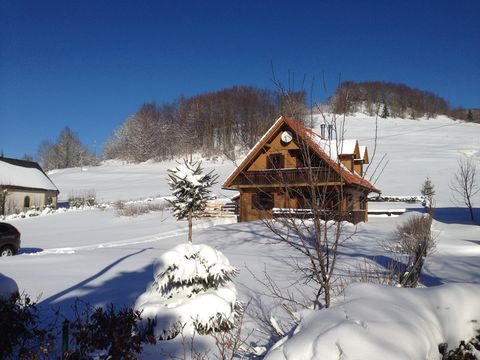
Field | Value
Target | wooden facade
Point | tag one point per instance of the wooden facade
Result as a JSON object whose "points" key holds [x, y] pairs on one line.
{"points": [[291, 168]]}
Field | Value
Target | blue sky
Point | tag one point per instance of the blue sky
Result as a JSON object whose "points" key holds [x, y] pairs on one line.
{"points": [[90, 64]]}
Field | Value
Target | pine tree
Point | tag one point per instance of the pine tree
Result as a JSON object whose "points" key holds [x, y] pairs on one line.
{"points": [[385, 113], [469, 115], [192, 293], [428, 190], [191, 191]]}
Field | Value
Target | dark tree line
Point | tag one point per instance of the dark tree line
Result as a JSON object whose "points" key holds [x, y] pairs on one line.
{"points": [[213, 123], [390, 99]]}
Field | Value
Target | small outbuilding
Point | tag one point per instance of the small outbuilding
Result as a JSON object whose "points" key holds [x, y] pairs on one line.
{"points": [[24, 185]]}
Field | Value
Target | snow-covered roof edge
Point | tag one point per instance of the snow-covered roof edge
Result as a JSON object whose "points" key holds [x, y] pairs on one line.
{"points": [[24, 174], [319, 144]]}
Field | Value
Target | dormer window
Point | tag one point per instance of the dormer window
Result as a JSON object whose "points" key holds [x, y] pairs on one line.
{"points": [[275, 161]]}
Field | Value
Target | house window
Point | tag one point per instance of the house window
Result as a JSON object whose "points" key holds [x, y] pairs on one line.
{"points": [[262, 201], [349, 202], [363, 203], [26, 202], [275, 161]]}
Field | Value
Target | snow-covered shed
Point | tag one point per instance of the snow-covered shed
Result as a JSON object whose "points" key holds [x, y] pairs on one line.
{"points": [[24, 185]]}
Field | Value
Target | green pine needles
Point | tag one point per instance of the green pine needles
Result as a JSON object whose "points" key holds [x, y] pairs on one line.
{"points": [[191, 190]]}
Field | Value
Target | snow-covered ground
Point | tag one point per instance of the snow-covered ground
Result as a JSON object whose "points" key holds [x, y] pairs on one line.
{"points": [[101, 258]]}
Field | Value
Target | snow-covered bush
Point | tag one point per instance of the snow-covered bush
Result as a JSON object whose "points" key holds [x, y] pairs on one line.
{"points": [[192, 293], [8, 286]]}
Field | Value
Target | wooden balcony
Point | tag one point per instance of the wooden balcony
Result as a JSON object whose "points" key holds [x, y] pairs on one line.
{"points": [[352, 216], [284, 177]]}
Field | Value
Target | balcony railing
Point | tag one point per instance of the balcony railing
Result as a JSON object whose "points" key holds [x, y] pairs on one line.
{"points": [[283, 177], [353, 216]]}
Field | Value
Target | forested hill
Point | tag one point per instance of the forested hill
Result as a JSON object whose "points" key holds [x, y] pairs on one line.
{"points": [[392, 100], [229, 120]]}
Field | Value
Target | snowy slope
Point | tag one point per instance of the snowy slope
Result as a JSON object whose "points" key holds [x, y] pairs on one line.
{"points": [[99, 257], [119, 181]]}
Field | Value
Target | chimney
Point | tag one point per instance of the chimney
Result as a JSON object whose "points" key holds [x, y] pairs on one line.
{"points": [[330, 132], [322, 131]]}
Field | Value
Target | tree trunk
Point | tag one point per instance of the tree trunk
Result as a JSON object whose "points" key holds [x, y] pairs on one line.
{"points": [[190, 221]]}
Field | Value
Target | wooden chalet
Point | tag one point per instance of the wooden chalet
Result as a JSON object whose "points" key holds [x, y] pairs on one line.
{"points": [[291, 164]]}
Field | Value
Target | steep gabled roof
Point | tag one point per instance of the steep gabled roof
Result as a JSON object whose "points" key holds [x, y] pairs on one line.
{"points": [[316, 142], [363, 154], [24, 174]]}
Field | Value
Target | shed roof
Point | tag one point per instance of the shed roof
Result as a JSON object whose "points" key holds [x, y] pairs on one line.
{"points": [[25, 174]]}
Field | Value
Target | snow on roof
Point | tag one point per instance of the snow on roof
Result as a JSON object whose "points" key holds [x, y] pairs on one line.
{"points": [[24, 174], [330, 148], [334, 147], [363, 151]]}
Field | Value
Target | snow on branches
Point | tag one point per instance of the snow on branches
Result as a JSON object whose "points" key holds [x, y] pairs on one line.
{"points": [[190, 189], [192, 293]]}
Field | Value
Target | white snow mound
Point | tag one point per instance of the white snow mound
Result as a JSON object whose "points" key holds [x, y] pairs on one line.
{"points": [[8, 286], [192, 292], [380, 322]]}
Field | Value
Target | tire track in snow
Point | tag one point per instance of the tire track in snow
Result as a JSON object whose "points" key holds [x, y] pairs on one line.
{"points": [[112, 244], [133, 241]]}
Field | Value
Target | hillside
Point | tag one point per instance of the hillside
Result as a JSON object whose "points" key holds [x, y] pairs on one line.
{"points": [[99, 257], [440, 141], [393, 100]]}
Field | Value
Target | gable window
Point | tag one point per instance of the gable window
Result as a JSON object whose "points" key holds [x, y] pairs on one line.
{"points": [[275, 161], [26, 202], [262, 201]]}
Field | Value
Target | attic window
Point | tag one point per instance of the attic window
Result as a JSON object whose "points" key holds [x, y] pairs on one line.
{"points": [[275, 161]]}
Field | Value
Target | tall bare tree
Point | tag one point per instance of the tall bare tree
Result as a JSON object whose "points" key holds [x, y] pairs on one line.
{"points": [[68, 151], [464, 184]]}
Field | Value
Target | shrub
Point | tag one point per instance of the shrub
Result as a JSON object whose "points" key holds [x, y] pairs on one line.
{"points": [[106, 334], [412, 240], [82, 198], [465, 351], [22, 335], [138, 208]]}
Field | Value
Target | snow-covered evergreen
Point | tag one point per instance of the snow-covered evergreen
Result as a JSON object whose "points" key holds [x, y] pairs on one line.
{"points": [[191, 191], [192, 293]]}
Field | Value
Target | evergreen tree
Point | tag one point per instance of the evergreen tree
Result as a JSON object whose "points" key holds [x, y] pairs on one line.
{"points": [[469, 115], [385, 113], [192, 293], [191, 191], [428, 191]]}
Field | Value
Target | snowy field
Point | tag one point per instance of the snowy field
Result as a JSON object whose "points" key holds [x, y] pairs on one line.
{"points": [[101, 258]]}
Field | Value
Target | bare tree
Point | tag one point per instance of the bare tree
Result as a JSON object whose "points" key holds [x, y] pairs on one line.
{"points": [[464, 184], [68, 151], [411, 243]]}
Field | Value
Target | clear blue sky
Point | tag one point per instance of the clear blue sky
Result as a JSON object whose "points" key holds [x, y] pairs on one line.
{"points": [[89, 64]]}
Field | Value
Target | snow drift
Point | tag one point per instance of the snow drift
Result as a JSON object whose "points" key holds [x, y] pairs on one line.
{"points": [[379, 322], [8, 286]]}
